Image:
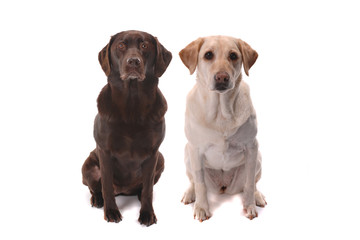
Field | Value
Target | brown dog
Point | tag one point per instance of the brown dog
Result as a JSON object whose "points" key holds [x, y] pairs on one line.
{"points": [[130, 125]]}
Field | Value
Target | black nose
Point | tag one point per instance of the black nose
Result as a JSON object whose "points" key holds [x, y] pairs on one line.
{"points": [[133, 61], [222, 77]]}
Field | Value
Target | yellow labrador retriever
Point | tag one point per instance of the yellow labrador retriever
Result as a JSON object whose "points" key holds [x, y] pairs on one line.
{"points": [[220, 125]]}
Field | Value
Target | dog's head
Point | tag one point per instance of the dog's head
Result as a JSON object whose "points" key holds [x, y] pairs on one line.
{"points": [[218, 60], [134, 55]]}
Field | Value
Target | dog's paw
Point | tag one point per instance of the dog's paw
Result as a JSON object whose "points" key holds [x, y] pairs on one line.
{"points": [[250, 212], [201, 213], [260, 199], [189, 196], [147, 218], [97, 200], [112, 215]]}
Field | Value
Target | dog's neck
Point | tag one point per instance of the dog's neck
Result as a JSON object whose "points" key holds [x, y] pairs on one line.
{"points": [[132, 100], [223, 105], [132, 91]]}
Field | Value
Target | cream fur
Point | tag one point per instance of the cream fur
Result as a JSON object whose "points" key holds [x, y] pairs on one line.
{"points": [[221, 129]]}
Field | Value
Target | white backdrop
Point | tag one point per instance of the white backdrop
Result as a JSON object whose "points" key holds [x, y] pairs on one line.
{"points": [[304, 86]]}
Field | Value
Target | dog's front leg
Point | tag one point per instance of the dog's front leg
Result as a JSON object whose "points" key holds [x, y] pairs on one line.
{"points": [[111, 211], [201, 208], [251, 152], [147, 215]]}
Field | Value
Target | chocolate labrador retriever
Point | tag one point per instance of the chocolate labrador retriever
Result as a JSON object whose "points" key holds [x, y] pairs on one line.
{"points": [[129, 126]]}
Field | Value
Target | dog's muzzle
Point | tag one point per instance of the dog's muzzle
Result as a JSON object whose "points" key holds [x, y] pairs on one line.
{"points": [[133, 69]]}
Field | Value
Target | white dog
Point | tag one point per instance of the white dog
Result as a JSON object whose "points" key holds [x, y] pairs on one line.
{"points": [[220, 125]]}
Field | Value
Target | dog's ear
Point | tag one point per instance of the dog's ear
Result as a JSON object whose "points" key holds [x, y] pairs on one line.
{"points": [[163, 59], [249, 55], [189, 55], [104, 58]]}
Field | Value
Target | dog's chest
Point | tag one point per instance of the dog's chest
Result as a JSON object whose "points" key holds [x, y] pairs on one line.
{"points": [[136, 140], [139, 141]]}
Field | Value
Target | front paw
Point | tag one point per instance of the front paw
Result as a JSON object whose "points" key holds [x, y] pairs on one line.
{"points": [[147, 218], [112, 215], [201, 213], [250, 212]]}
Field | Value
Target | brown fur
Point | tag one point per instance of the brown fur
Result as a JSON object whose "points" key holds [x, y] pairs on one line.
{"points": [[129, 126]]}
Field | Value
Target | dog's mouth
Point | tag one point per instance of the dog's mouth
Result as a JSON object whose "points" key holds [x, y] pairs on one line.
{"points": [[222, 87], [133, 75]]}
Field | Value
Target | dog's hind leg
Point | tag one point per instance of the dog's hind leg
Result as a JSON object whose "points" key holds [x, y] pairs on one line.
{"points": [[91, 178], [189, 195], [260, 199], [160, 166]]}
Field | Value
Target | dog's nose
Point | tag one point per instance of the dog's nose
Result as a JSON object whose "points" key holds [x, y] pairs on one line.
{"points": [[222, 77], [221, 81], [133, 61]]}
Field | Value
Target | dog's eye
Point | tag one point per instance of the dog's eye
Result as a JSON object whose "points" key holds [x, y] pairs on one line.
{"points": [[233, 56], [144, 45], [121, 46], [209, 55]]}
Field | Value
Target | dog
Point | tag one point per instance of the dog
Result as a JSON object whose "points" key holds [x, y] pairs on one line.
{"points": [[129, 126], [220, 124]]}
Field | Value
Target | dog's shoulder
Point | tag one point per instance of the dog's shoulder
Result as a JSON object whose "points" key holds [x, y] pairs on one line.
{"points": [[159, 107], [244, 94], [190, 97], [193, 101], [243, 106], [104, 102]]}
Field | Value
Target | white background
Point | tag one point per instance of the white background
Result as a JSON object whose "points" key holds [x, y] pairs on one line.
{"points": [[304, 86]]}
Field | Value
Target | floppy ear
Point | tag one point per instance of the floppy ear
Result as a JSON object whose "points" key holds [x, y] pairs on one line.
{"points": [[104, 58], [163, 59], [189, 55], [249, 55]]}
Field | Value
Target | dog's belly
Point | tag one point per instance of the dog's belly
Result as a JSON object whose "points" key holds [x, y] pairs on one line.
{"points": [[230, 182], [224, 156], [224, 166]]}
